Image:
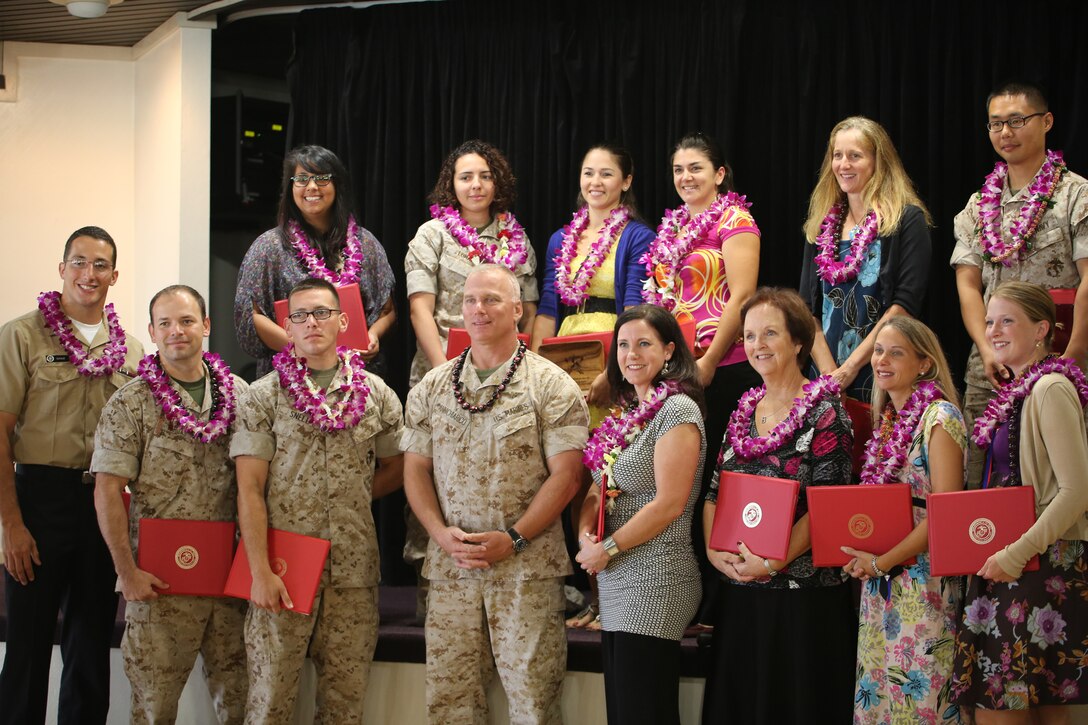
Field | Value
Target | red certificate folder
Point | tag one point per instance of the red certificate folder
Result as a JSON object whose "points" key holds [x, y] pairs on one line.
{"points": [[867, 518], [297, 559], [756, 510], [193, 557], [1063, 300], [458, 341], [862, 423], [966, 527], [351, 304]]}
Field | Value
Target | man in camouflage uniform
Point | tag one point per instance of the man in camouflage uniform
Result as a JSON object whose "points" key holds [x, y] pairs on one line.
{"points": [[493, 444], [1055, 256], [296, 476], [173, 474], [50, 400]]}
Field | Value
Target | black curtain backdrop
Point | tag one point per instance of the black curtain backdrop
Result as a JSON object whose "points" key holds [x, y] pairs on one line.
{"points": [[393, 88]]}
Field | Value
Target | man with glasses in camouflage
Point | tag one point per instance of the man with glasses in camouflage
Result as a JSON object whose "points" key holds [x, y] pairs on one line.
{"points": [[307, 440], [1027, 223], [59, 364]]}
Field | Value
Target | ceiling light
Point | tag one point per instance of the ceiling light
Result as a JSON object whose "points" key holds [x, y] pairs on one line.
{"points": [[88, 8]]}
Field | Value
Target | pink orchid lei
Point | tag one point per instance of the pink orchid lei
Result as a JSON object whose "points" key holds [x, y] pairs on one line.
{"points": [[573, 286], [676, 234], [617, 431], [510, 250], [113, 356], [1022, 229], [315, 265], [998, 410], [740, 423], [886, 451], [223, 400], [308, 399], [828, 268]]}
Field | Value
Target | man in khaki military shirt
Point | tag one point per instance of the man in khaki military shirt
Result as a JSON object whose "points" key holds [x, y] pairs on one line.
{"points": [[58, 366], [1054, 256], [493, 453], [173, 453], [305, 464]]}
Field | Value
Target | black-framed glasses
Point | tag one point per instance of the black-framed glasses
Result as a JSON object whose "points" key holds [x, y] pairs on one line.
{"points": [[100, 266], [321, 313], [303, 180], [1014, 122]]}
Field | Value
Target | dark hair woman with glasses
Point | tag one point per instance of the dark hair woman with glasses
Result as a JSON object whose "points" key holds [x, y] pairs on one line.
{"points": [[317, 236]]}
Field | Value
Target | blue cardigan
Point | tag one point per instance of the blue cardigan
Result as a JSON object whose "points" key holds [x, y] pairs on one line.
{"points": [[630, 273]]}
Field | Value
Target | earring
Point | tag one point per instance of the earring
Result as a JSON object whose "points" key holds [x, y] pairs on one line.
{"points": [[1038, 344], [665, 367]]}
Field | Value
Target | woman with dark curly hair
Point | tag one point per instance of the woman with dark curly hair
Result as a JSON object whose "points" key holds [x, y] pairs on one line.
{"points": [[471, 223], [317, 236]]}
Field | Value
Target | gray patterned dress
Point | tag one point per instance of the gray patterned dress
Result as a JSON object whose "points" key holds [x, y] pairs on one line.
{"points": [[654, 588]]}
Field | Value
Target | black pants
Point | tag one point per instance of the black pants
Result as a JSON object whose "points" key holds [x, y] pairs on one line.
{"points": [[641, 679], [76, 577]]}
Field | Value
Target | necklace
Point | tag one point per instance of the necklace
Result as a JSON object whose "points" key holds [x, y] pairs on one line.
{"points": [[676, 234], [307, 398], [573, 286], [998, 410], [1022, 230], [113, 356], [763, 418], [315, 264], [739, 436], [509, 250], [459, 366], [886, 451], [618, 430], [828, 267], [223, 400]]}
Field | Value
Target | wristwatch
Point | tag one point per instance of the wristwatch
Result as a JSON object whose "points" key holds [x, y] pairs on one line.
{"points": [[520, 542], [610, 547], [770, 571]]}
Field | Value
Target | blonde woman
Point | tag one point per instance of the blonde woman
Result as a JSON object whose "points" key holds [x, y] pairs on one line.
{"points": [[868, 251], [907, 616]]}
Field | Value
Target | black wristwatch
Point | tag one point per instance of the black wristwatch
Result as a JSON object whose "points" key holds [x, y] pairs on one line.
{"points": [[520, 542]]}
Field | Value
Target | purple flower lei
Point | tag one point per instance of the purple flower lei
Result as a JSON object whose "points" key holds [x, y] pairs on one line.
{"points": [[885, 456], [308, 399], [675, 237], [1022, 229], [113, 356], [997, 412], [828, 268], [618, 430], [510, 250], [573, 286], [223, 400], [740, 423], [312, 261]]}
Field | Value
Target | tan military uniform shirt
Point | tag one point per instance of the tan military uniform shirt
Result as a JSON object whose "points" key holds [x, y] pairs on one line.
{"points": [[488, 466], [437, 264], [1059, 241], [171, 474], [57, 408], [319, 484]]}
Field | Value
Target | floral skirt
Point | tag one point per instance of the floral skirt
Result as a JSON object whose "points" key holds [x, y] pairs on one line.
{"points": [[1024, 644]]}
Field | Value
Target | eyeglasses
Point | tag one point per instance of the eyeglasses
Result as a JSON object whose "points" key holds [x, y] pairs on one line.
{"points": [[320, 313], [100, 266], [303, 180], [1014, 122]]}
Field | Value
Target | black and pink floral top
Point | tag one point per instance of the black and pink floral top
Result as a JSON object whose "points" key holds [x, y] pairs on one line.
{"points": [[818, 455]]}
